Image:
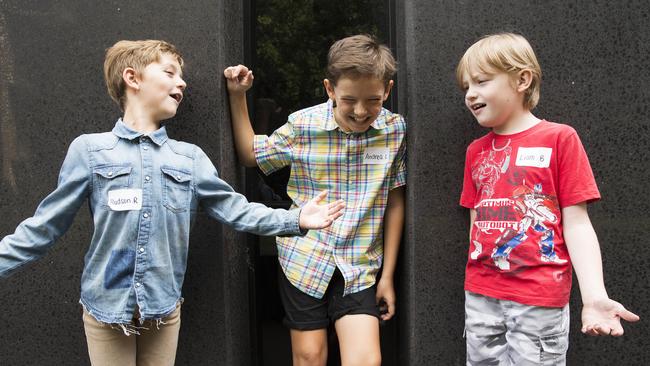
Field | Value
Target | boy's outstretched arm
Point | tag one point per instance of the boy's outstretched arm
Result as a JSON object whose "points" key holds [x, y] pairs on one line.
{"points": [[221, 202], [53, 216], [600, 314], [239, 79], [393, 226]]}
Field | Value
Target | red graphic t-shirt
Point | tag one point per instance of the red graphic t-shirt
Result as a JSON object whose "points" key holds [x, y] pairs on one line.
{"points": [[518, 185]]}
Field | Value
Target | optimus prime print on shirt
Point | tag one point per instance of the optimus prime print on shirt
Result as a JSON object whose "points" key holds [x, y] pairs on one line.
{"points": [[528, 209], [518, 185]]}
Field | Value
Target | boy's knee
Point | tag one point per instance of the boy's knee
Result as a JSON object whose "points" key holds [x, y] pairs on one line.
{"points": [[363, 359], [313, 354]]}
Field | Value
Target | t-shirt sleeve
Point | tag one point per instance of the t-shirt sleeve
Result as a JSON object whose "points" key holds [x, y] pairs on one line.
{"points": [[576, 183], [468, 195], [276, 151]]}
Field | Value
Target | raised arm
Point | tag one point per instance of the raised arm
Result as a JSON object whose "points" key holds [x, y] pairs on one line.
{"points": [[240, 79], [600, 314]]}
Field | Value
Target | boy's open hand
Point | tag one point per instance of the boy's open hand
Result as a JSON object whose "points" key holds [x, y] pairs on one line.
{"points": [[315, 216], [239, 78], [603, 317]]}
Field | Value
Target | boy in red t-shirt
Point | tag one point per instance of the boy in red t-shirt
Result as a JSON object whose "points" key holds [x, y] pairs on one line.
{"points": [[526, 184]]}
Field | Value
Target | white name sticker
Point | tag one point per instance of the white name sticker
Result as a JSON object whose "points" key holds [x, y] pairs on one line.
{"points": [[539, 157], [376, 155], [125, 199]]}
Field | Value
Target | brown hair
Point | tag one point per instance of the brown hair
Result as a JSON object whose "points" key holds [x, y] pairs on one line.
{"points": [[360, 55], [135, 54], [503, 52]]}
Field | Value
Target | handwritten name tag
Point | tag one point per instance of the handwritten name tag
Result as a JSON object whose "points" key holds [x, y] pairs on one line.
{"points": [[539, 157], [125, 199], [376, 155]]}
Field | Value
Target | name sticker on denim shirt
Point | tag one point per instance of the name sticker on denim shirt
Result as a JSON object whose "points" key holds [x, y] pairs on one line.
{"points": [[125, 199], [376, 155]]}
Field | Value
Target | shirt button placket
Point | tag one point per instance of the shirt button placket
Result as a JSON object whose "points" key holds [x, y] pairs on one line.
{"points": [[144, 227]]}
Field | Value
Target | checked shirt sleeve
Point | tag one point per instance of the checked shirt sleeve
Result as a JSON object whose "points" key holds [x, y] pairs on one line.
{"points": [[398, 170], [276, 151]]}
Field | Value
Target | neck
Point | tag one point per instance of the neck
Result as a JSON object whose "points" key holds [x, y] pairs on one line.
{"points": [[139, 120], [517, 123]]}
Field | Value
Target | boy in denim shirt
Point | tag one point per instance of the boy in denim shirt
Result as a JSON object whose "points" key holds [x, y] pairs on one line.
{"points": [[356, 149], [144, 190], [527, 184]]}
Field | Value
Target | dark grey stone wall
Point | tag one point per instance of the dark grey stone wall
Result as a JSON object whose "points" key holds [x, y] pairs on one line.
{"points": [[52, 90], [594, 56]]}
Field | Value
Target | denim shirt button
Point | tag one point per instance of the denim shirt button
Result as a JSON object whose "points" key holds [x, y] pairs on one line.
{"points": [[145, 147], [145, 215], [137, 284], [147, 178], [110, 174], [141, 250]]}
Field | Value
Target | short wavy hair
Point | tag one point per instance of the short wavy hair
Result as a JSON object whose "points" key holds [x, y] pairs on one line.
{"points": [[503, 52], [135, 54], [358, 56]]}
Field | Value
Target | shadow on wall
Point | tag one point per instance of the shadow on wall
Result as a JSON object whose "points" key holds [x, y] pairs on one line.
{"points": [[7, 123]]}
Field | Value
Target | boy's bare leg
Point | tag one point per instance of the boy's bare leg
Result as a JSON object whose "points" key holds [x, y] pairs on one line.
{"points": [[358, 336], [309, 347]]}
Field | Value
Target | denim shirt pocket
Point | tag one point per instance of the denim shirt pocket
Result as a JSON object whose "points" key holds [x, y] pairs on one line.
{"points": [[176, 189], [109, 177]]}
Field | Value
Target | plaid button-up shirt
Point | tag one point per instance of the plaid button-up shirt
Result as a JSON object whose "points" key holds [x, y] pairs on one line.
{"points": [[359, 168]]}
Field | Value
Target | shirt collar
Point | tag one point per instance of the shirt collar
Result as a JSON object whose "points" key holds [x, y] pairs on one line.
{"points": [[330, 124], [121, 130]]}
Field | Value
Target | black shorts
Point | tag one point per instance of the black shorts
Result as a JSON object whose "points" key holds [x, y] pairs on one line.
{"points": [[304, 312]]}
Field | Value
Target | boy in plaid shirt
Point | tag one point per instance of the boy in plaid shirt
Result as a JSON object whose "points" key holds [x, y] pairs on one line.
{"points": [[355, 149]]}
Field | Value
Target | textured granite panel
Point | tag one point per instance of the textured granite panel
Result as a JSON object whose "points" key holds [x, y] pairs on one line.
{"points": [[594, 59], [51, 90]]}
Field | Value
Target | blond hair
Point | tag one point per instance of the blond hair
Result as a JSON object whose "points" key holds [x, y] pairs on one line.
{"points": [[503, 52], [135, 54], [358, 56]]}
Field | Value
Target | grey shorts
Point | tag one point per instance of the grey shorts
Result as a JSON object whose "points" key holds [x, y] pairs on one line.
{"points": [[502, 332]]}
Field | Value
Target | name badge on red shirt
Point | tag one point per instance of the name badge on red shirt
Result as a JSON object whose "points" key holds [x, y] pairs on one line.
{"points": [[539, 157]]}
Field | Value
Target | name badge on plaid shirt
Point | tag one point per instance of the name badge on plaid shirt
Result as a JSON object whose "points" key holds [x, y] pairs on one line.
{"points": [[376, 155]]}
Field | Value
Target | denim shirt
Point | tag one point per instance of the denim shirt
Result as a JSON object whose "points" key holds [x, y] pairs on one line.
{"points": [[138, 252]]}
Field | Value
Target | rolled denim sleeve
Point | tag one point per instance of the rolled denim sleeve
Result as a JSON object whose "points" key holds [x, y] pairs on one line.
{"points": [[227, 206], [53, 216]]}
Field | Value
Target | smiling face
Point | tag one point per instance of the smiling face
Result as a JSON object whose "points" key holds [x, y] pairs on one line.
{"points": [[495, 99], [358, 101], [161, 87]]}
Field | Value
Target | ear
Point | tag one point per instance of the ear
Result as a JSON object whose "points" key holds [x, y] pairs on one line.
{"points": [[524, 79], [329, 88], [130, 78], [389, 87]]}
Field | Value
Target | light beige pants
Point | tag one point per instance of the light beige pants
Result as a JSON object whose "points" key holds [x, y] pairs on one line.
{"points": [[155, 346]]}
